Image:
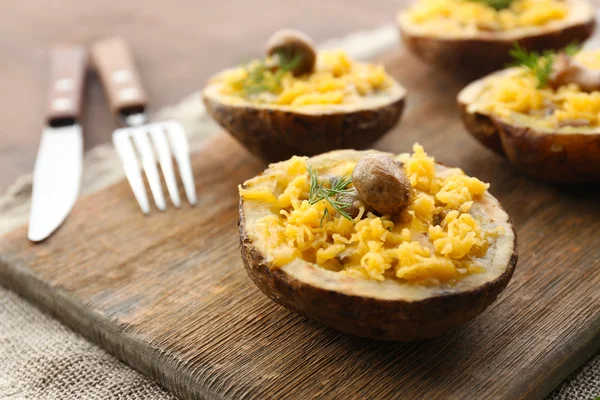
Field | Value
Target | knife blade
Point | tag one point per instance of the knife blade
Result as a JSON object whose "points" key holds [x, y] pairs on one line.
{"points": [[59, 164]]}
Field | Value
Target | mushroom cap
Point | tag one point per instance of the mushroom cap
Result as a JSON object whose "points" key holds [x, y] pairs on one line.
{"points": [[388, 310], [567, 70], [293, 44]]}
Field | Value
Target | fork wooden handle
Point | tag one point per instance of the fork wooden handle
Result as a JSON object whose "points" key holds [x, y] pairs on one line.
{"points": [[65, 89], [119, 76]]}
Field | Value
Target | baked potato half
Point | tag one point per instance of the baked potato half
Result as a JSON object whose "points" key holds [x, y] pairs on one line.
{"points": [[274, 133], [388, 309], [564, 151], [277, 107], [476, 49]]}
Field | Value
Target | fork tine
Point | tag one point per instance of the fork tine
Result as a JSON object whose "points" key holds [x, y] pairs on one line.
{"points": [[166, 163], [142, 143], [181, 150], [126, 153]]}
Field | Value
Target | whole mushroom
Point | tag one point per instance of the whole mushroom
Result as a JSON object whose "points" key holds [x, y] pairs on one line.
{"points": [[382, 184], [292, 44], [567, 70]]}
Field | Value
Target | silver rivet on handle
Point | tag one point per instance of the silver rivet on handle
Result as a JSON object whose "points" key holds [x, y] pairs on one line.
{"points": [[62, 104], [64, 85]]}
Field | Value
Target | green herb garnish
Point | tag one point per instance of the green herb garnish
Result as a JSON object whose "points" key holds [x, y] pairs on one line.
{"points": [[495, 4], [264, 78], [540, 64], [319, 192], [572, 49]]}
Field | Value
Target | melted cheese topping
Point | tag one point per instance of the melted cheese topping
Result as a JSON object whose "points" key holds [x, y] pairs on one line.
{"points": [[435, 240], [514, 96], [336, 80], [462, 15]]}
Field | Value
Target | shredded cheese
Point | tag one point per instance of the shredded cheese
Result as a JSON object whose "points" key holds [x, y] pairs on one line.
{"points": [[515, 94], [435, 240], [337, 79], [463, 15]]}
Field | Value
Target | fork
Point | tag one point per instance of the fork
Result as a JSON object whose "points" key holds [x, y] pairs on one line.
{"points": [[140, 142]]}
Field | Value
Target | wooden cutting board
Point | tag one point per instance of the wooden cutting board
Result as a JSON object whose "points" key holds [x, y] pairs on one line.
{"points": [[168, 294]]}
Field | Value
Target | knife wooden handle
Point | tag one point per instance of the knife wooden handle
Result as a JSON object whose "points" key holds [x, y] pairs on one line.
{"points": [[119, 76], [65, 91]]}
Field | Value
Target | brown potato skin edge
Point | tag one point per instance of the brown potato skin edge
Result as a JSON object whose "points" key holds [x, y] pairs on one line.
{"points": [[276, 135], [555, 157], [391, 320], [473, 58]]}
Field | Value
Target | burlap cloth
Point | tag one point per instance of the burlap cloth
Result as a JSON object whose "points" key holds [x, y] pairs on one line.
{"points": [[42, 359]]}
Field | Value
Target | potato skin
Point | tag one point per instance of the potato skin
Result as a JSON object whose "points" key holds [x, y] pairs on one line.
{"points": [[482, 128], [473, 58], [555, 157], [275, 135], [365, 316]]}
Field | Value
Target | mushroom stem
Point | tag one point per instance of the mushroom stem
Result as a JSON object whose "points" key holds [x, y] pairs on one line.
{"points": [[567, 70], [355, 202]]}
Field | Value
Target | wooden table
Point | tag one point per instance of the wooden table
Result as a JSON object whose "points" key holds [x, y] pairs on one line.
{"points": [[178, 45], [177, 48]]}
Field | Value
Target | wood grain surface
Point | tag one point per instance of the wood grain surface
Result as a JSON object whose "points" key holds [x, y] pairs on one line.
{"points": [[168, 293]]}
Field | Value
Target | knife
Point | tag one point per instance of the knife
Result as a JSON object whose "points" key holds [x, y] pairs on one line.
{"points": [[58, 167]]}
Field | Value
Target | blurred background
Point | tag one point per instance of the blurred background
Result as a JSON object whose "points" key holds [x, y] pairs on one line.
{"points": [[177, 44]]}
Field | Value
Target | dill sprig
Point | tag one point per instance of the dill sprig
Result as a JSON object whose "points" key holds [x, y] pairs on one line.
{"points": [[264, 78], [319, 192], [572, 49], [540, 64], [495, 4]]}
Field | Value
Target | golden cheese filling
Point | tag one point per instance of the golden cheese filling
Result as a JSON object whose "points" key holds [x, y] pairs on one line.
{"points": [[514, 96], [435, 240], [450, 16], [336, 80]]}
